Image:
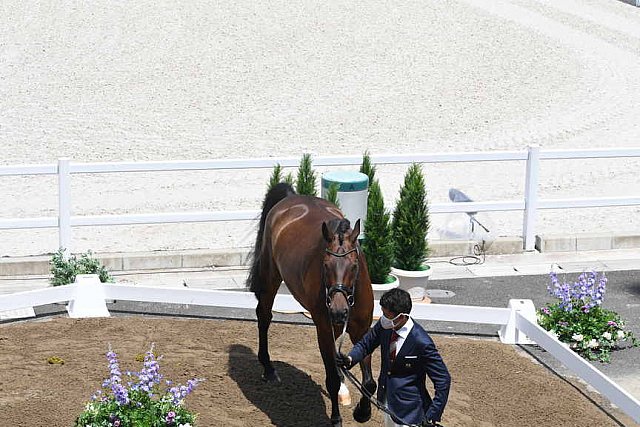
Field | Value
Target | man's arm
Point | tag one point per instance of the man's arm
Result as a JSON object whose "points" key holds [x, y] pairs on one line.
{"points": [[366, 345], [439, 375]]}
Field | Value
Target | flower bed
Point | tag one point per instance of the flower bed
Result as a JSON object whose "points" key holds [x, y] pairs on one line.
{"points": [[579, 319], [139, 402]]}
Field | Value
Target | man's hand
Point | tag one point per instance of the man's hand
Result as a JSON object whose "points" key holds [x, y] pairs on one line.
{"points": [[343, 360]]}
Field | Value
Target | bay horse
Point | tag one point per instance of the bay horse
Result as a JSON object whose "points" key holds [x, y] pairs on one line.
{"points": [[307, 242]]}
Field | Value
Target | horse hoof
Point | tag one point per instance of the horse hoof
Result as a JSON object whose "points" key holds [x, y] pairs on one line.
{"points": [[271, 377], [362, 414]]}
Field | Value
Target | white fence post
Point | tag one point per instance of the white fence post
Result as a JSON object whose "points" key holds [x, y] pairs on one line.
{"points": [[64, 205], [88, 298], [531, 197]]}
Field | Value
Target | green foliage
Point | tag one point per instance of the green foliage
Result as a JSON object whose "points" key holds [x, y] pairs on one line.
{"points": [[64, 271], [306, 181], [332, 193], [378, 243], [277, 177], [411, 222], [367, 167]]}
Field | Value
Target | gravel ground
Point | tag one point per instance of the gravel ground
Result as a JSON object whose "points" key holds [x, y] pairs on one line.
{"points": [[163, 81]]}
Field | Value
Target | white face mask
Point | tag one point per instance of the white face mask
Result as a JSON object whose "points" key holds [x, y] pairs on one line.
{"points": [[387, 323]]}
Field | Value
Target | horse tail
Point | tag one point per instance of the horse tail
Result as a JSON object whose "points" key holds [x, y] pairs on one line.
{"points": [[274, 195]]}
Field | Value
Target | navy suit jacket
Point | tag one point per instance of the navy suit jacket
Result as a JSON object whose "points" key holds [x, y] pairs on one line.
{"points": [[403, 382]]}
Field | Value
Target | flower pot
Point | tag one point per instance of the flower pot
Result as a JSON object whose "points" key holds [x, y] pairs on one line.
{"points": [[412, 278], [386, 286]]}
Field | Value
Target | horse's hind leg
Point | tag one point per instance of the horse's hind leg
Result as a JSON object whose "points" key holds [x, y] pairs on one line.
{"points": [[264, 314]]}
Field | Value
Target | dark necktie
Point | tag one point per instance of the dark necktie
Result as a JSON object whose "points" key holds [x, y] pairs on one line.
{"points": [[392, 345]]}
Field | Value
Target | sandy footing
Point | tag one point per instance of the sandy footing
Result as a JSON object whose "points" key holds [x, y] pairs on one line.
{"points": [[159, 81]]}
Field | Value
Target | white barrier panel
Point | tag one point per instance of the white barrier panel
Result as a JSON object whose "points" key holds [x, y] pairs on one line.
{"points": [[612, 391], [229, 299], [35, 298], [457, 313]]}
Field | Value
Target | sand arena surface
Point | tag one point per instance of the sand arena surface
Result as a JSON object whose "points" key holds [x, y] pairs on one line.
{"points": [[493, 385], [139, 80]]}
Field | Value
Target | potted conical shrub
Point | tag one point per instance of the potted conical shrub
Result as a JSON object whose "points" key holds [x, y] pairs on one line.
{"points": [[306, 182], [410, 226], [378, 244]]}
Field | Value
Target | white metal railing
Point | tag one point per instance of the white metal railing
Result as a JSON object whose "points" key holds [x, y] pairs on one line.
{"points": [[518, 322], [529, 204]]}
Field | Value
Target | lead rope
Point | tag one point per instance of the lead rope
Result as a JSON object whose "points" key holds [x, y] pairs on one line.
{"points": [[358, 385]]}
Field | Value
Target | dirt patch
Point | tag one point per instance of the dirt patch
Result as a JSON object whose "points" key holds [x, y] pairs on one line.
{"points": [[492, 384]]}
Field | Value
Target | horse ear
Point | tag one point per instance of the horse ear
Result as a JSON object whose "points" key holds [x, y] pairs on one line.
{"points": [[326, 233], [355, 232]]}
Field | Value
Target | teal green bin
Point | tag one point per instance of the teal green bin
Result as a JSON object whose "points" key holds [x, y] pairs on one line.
{"points": [[353, 189]]}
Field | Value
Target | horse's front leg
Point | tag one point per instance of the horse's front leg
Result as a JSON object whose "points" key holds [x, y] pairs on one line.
{"points": [[332, 379], [362, 412], [358, 327]]}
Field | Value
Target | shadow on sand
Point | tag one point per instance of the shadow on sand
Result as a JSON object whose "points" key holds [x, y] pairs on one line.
{"points": [[296, 401]]}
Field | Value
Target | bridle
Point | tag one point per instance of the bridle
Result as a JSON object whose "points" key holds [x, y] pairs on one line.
{"points": [[340, 287]]}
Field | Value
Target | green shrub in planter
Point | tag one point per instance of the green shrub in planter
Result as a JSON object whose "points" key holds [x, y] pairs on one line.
{"points": [[411, 223], [276, 177], [367, 167], [64, 270], [332, 193], [306, 181], [378, 244]]}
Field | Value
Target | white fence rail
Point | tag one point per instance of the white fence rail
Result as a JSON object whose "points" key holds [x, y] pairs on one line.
{"points": [[518, 323], [529, 204]]}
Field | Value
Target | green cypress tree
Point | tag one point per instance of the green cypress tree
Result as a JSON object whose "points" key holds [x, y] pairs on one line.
{"points": [[378, 242], [332, 193], [367, 167], [306, 182], [276, 177], [411, 222]]}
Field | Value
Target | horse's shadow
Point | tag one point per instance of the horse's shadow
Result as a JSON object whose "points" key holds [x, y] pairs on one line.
{"points": [[296, 401]]}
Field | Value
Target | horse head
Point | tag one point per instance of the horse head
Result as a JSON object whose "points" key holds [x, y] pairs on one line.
{"points": [[340, 267]]}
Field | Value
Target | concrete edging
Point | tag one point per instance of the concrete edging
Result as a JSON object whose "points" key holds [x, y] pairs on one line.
{"points": [[212, 258]]}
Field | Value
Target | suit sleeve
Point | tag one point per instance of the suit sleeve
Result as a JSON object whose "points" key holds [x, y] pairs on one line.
{"points": [[367, 344], [439, 375]]}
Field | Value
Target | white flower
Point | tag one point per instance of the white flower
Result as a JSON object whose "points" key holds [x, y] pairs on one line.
{"points": [[577, 337], [554, 333], [620, 335], [185, 425], [606, 335], [593, 344]]}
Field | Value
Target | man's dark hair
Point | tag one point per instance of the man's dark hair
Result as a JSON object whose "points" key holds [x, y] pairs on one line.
{"points": [[396, 300]]}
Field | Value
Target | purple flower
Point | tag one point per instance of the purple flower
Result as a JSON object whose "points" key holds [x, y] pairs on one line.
{"points": [[180, 392], [587, 292], [120, 392]]}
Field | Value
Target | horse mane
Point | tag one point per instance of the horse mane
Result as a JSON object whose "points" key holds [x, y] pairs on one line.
{"points": [[278, 192], [339, 226]]}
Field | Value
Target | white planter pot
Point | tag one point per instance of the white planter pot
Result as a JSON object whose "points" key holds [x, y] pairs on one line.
{"points": [[412, 278], [386, 286]]}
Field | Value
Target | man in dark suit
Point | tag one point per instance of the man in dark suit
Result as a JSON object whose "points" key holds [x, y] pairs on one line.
{"points": [[408, 356]]}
